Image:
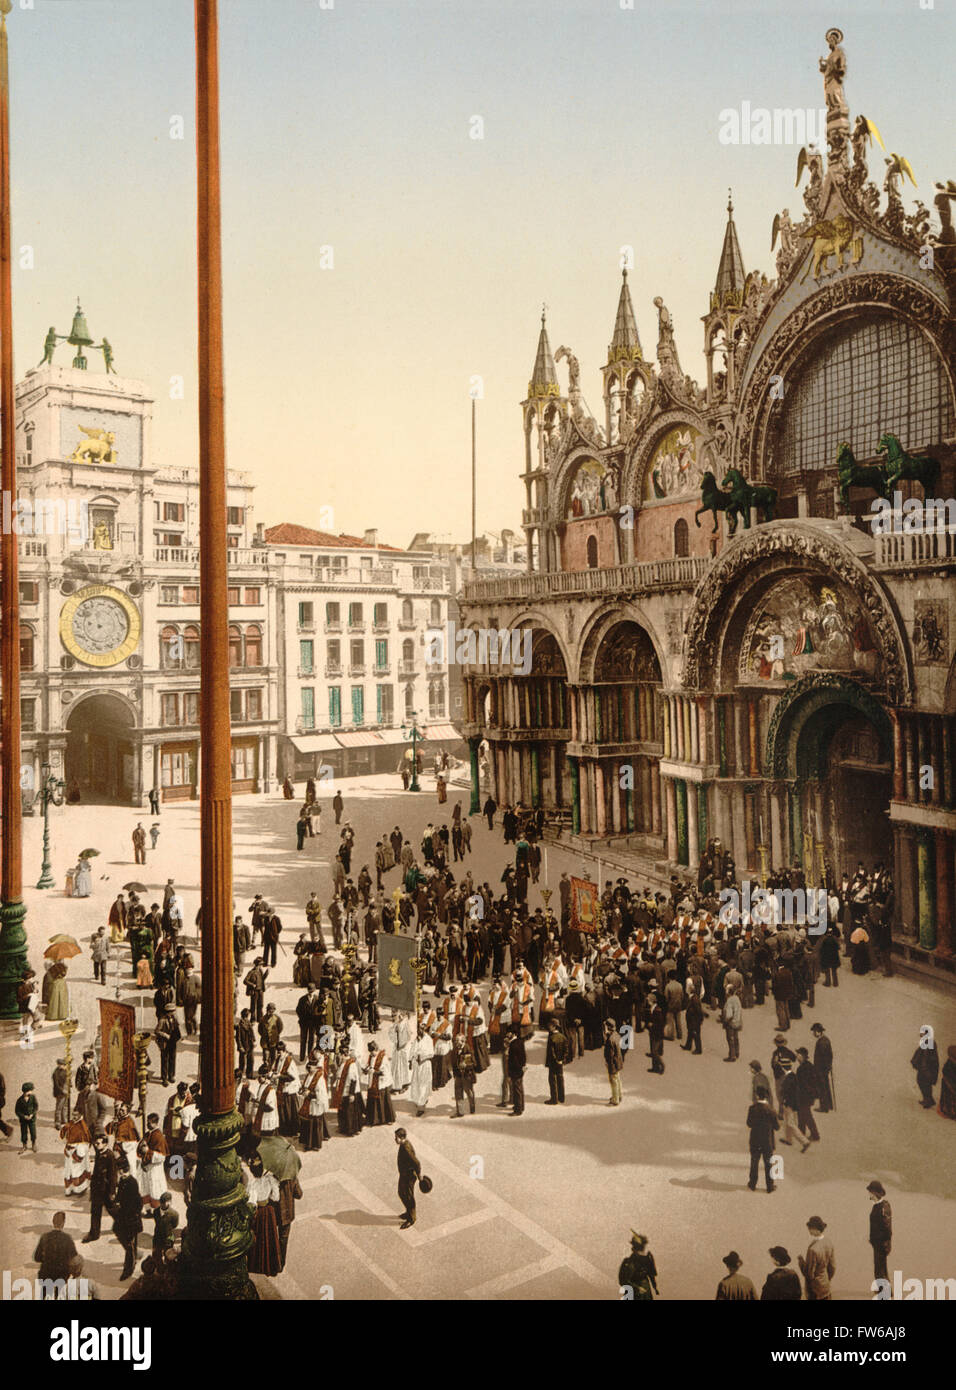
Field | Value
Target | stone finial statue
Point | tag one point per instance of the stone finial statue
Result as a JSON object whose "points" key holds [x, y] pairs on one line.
{"points": [[49, 347], [833, 67], [667, 359]]}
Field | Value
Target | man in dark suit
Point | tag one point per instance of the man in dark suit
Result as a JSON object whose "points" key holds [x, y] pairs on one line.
{"points": [[613, 1060], [762, 1123], [808, 1088], [823, 1066], [126, 1210], [102, 1185], [655, 1032], [409, 1171], [556, 1055], [517, 1061], [881, 1229], [782, 1283], [55, 1250]]}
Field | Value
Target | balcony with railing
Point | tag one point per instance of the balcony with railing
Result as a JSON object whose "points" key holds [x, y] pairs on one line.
{"points": [[683, 573], [407, 668], [333, 668], [901, 551], [333, 625], [357, 669]]}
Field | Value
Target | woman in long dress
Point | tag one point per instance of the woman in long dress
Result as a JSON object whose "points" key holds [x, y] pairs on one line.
{"points": [[313, 1125], [144, 975], [423, 1051], [262, 1192], [400, 1037], [58, 1006], [82, 880]]}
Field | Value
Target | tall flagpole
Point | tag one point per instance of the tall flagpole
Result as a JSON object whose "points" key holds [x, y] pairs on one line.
{"points": [[474, 485], [218, 1235], [13, 940]]}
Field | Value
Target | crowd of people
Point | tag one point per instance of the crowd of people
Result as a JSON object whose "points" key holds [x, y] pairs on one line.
{"points": [[648, 973]]}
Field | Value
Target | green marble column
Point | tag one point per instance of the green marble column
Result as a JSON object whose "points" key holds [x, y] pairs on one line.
{"points": [[475, 805], [796, 824], [535, 775], [702, 828], [722, 736], [575, 771], [926, 869], [680, 787]]}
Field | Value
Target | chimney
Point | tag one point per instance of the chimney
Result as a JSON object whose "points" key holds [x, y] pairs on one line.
{"points": [[371, 537]]}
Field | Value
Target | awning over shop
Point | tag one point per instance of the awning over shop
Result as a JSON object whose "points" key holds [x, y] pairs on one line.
{"points": [[315, 743], [439, 733], [392, 736], [358, 740]]}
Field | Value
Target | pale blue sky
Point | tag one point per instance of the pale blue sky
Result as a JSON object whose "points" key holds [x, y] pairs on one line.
{"points": [[349, 127]]}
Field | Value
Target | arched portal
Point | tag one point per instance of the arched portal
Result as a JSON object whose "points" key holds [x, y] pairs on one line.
{"points": [[622, 715], [832, 741], [101, 749]]}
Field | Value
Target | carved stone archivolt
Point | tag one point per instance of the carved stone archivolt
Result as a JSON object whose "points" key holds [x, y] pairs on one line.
{"points": [[636, 463], [797, 333], [810, 550], [808, 694]]}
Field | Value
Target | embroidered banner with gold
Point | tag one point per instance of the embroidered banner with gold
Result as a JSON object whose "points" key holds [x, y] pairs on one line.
{"points": [[584, 900], [117, 1054], [396, 978]]}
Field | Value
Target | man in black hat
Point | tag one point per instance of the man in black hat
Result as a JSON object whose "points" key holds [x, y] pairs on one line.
{"points": [[556, 1054], [881, 1229], [409, 1171], [763, 1124], [61, 1094], [517, 1060], [735, 1287], [823, 1066], [818, 1265], [782, 1283], [102, 1185]]}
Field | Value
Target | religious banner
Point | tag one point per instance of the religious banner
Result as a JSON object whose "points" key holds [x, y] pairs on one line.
{"points": [[396, 978], [117, 1075], [584, 902]]}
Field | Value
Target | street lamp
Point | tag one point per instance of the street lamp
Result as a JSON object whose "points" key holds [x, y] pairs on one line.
{"points": [[52, 788], [415, 737]]}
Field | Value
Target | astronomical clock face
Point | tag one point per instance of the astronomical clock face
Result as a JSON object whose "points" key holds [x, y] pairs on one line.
{"points": [[100, 626]]}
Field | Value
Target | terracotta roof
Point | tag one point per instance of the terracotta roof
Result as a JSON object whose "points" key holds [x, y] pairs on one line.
{"points": [[288, 533]]}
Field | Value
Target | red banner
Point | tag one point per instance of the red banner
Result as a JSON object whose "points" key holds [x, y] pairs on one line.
{"points": [[584, 901], [117, 1054]]}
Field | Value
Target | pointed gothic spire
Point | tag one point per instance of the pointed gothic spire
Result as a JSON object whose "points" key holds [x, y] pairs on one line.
{"points": [[625, 343], [729, 289], [544, 378]]}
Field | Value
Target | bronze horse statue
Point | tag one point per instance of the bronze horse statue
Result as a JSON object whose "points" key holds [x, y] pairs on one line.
{"points": [[899, 464], [853, 474], [714, 501], [747, 495]]}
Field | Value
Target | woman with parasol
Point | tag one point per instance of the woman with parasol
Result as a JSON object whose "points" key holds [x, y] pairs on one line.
{"points": [[61, 949], [82, 877]]}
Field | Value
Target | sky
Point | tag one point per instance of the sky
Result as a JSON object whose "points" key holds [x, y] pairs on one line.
{"points": [[349, 124]]}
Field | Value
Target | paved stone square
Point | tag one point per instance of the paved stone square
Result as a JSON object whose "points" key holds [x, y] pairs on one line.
{"points": [[536, 1210]]}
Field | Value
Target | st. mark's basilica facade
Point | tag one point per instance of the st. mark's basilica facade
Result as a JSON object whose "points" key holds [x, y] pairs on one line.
{"points": [[787, 684]]}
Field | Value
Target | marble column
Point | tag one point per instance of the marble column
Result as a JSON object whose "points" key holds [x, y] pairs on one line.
{"points": [[573, 703], [670, 803], [575, 796], [655, 826], [736, 710], [944, 892], [935, 738], [897, 879], [680, 791], [693, 826], [908, 886], [927, 889], [600, 803], [679, 719], [703, 751], [535, 775], [777, 856], [899, 758], [753, 737], [947, 768], [721, 712]]}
